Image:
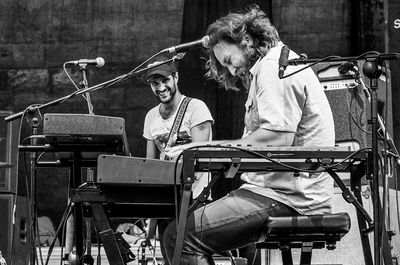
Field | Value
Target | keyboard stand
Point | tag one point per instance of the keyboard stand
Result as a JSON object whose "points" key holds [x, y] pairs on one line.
{"points": [[82, 138], [189, 167]]}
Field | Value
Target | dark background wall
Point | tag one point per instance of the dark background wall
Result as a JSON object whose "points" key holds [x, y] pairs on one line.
{"points": [[37, 37]]}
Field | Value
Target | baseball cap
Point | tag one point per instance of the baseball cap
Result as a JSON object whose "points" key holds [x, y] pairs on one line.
{"points": [[163, 70]]}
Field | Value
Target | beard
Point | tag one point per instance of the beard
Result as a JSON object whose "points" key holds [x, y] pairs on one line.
{"points": [[165, 96], [251, 55]]}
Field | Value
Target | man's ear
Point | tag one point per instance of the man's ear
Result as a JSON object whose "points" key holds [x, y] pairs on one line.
{"points": [[249, 41], [176, 77]]}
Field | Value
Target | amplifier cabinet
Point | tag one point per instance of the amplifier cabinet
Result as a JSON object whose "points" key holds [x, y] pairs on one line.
{"points": [[15, 228], [9, 153]]}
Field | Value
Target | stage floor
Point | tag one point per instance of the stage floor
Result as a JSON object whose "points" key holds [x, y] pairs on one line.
{"points": [[57, 253]]}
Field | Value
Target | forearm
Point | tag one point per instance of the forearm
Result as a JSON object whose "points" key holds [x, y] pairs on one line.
{"points": [[201, 132], [152, 150], [262, 137]]}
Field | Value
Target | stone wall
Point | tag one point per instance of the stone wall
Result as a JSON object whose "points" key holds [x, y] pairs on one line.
{"points": [[37, 37]]}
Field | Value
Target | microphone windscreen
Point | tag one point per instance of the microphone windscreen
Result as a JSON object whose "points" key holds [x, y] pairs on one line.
{"points": [[100, 62], [283, 58], [206, 41]]}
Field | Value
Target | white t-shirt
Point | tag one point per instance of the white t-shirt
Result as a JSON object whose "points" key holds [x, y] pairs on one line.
{"points": [[157, 129]]}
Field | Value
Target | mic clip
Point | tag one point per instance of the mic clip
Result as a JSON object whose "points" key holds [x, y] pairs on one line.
{"points": [[345, 67], [299, 60], [178, 56]]}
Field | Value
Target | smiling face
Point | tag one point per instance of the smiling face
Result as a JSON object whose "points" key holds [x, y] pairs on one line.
{"points": [[164, 87]]}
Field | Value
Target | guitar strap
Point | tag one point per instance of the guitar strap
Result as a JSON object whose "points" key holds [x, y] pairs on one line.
{"points": [[174, 131], [177, 121]]}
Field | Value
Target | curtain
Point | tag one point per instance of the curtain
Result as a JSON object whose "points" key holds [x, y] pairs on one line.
{"points": [[227, 107]]}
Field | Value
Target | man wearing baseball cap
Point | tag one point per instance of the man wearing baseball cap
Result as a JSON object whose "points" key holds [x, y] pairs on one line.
{"points": [[195, 126]]}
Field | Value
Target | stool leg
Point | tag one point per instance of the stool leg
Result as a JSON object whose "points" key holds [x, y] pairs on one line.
{"points": [[287, 256], [306, 252]]}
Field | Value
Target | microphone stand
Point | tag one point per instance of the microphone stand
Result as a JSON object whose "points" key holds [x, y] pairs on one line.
{"points": [[85, 85], [35, 122], [372, 70], [108, 83], [75, 221], [389, 150]]}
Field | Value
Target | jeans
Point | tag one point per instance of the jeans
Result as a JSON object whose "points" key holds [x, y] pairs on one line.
{"points": [[232, 222]]}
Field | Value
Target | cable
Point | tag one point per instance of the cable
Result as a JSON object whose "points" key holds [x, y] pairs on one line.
{"points": [[256, 154], [64, 218], [72, 81], [312, 64], [31, 207]]}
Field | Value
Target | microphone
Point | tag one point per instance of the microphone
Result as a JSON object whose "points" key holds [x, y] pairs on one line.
{"points": [[189, 45], [345, 67], [99, 62], [283, 61]]}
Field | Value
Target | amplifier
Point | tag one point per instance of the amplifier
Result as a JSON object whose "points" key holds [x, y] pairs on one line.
{"points": [[350, 107]]}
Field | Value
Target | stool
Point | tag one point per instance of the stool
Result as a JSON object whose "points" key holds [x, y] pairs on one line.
{"points": [[307, 232]]}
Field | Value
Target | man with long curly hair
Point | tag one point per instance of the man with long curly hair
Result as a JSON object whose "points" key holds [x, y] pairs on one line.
{"points": [[292, 111]]}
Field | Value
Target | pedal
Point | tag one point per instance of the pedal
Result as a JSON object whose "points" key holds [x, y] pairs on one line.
{"points": [[218, 260], [87, 260], [124, 248]]}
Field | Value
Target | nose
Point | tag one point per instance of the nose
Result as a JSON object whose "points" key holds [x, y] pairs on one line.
{"points": [[161, 87], [232, 69]]}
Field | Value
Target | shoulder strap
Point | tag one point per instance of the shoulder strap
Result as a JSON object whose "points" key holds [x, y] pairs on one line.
{"points": [[178, 121]]}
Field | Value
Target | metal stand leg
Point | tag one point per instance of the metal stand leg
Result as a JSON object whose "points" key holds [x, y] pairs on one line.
{"points": [[76, 181], [187, 192], [117, 249], [188, 178], [362, 226], [106, 235]]}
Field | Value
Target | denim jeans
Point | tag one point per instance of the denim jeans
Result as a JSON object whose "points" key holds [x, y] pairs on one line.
{"points": [[232, 222]]}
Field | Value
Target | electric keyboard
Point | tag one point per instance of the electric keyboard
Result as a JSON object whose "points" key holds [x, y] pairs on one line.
{"points": [[291, 159], [127, 170], [84, 132]]}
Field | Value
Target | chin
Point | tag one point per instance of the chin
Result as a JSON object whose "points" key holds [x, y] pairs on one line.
{"points": [[167, 100]]}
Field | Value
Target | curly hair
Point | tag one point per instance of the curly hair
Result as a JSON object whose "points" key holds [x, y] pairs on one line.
{"points": [[232, 29]]}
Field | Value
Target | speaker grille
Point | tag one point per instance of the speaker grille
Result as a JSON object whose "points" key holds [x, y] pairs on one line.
{"points": [[350, 107], [14, 229], [4, 148], [8, 153]]}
